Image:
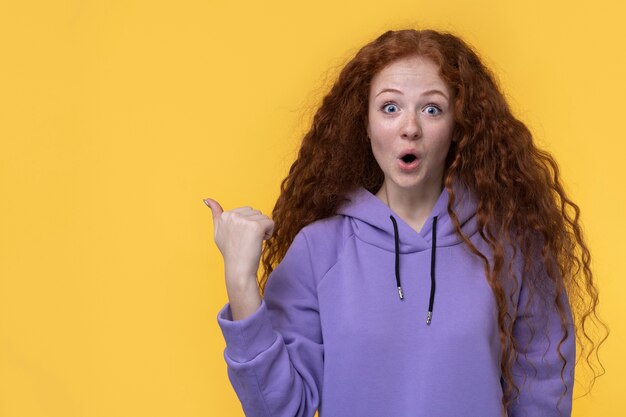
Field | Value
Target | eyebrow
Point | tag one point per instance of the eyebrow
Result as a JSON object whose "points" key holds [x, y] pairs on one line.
{"points": [[425, 93]]}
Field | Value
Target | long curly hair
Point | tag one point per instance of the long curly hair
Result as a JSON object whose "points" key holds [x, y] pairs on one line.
{"points": [[521, 198]]}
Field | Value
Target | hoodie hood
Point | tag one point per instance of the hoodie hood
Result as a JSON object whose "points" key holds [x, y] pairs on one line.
{"points": [[375, 223], [372, 224]]}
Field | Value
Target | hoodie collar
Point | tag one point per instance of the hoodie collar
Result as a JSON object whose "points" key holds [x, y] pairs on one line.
{"points": [[370, 217]]}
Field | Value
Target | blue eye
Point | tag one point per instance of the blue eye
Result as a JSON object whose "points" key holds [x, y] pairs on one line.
{"points": [[432, 106], [389, 104]]}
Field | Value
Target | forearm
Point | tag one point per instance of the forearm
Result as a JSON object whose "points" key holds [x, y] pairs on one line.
{"points": [[274, 346], [243, 296]]}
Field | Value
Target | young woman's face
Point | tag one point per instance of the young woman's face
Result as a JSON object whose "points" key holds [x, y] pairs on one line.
{"points": [[410, 109]]}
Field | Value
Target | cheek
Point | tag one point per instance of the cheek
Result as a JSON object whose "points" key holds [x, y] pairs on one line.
{"points": [[442, 140], [380, 137], [376, 147], [381, 151]]}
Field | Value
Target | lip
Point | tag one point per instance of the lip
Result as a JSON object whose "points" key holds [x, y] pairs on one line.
{"points": [[410, 151], [410, 166]]}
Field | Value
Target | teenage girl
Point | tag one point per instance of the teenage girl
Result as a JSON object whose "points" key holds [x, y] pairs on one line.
{"points": [[421, 259]]}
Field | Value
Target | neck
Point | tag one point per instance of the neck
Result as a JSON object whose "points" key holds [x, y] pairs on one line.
{"points": [[413, 207]]}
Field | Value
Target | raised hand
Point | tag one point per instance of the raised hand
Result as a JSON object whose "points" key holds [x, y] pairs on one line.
{"points": [[239, 235]]}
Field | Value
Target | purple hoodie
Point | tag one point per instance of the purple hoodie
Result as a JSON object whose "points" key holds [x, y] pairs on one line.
{"points": [[364, 316]]}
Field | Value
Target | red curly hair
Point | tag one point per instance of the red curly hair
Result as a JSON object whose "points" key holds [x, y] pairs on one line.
{"points": [[521, 198]]}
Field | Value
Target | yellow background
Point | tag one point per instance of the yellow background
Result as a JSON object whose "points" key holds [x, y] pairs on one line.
{"points": [[118, 117]]}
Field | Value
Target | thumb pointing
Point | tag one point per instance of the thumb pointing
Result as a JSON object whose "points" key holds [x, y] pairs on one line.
{"points": [[216, 209]]}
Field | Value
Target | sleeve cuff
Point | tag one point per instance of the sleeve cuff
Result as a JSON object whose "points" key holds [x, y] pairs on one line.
{"points": [[247, 338]]}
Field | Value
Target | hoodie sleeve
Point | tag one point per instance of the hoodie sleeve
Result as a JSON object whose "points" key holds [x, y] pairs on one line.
{"points": [[275, 356], [537, 372]]}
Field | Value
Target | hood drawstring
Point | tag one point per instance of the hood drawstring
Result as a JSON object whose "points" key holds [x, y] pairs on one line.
{"points": [[432, 265]]}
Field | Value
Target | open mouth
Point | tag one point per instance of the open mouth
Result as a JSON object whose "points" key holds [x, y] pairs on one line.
{"points": [[409, 161]]}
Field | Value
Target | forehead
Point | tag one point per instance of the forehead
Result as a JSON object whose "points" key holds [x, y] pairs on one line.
{"points": [[409, 73]]}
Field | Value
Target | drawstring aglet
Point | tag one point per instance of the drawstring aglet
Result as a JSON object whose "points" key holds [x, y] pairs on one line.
{"points": [[429, 316], [400, 293]]}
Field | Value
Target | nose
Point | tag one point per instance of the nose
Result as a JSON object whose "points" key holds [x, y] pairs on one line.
{"points": [[411, 128]]}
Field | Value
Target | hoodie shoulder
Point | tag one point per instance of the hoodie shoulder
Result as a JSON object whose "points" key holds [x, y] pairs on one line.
{"points": [[326, 238]]}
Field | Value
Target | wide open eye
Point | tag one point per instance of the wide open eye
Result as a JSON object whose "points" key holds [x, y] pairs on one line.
{"points": [[432, 106], [390, 106]]}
